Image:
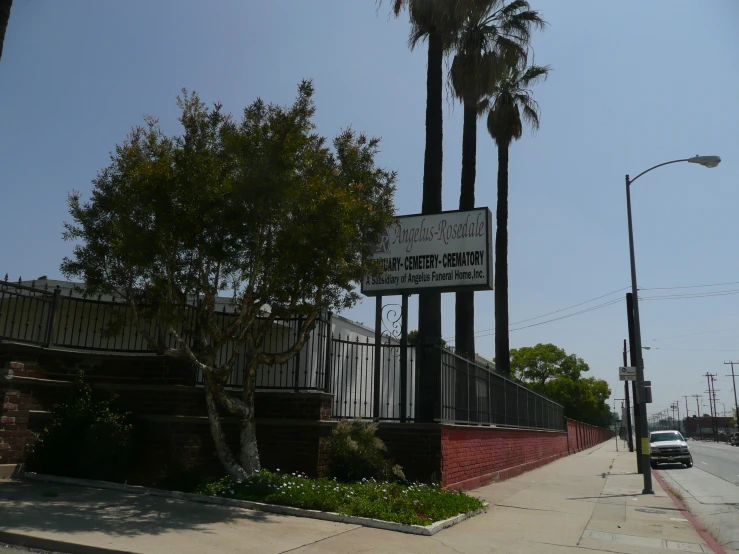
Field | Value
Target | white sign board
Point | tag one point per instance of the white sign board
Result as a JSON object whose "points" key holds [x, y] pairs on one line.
{"points": [[627, 374], [445, 252]]}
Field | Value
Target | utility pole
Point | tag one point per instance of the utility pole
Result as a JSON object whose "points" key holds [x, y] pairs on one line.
{"points": [[710, 378], [698, 413], [687, 414], [633, 359], [628, 406], [733, 381]]}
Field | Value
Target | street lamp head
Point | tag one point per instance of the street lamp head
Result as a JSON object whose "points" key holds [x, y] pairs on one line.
{"points": [[705, 161]]}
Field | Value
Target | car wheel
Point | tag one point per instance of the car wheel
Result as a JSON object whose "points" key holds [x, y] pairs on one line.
{"points": [[689, 463]]}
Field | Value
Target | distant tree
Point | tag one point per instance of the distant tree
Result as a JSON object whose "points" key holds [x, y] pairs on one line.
{"points": [[549, 370], [543, 362], [5, 6], [493, 34], [510, 107], [260, 209]]}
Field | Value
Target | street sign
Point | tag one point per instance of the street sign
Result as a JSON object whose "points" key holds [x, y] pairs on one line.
{"points": [[627, 374]]}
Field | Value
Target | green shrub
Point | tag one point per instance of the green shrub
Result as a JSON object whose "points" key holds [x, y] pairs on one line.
{"points": [[356, 453], [411, 504], [85, 438]]}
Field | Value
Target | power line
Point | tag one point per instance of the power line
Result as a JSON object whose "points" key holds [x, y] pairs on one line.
{"points": [[694, 334], [486, 333], [691, 295], [593, 308], [690, 286], [698, 349]]}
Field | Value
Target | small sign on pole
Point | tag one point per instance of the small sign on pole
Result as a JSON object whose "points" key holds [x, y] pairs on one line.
{"points": [[627, 374]]}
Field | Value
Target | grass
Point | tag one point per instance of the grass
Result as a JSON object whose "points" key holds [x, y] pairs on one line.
{"points": [[676, 493], [411, 504]]}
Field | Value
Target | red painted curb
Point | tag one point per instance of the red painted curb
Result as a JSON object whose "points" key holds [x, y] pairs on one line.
{"points": [[716, 547]]}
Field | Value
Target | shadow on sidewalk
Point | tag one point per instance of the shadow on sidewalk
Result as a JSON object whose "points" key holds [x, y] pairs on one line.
{"points": [[45, 507]]}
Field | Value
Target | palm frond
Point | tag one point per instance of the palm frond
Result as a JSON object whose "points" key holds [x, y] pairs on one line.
{"points": [[534, 74]]}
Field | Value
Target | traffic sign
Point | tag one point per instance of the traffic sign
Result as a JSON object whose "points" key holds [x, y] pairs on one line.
{"points": [[627, 374]]}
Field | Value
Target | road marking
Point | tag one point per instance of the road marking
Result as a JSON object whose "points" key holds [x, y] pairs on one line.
{"points": [[704, 463]]}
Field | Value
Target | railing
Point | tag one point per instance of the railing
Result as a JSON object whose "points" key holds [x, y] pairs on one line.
{"points": [[472, 394], [465, 392], [353, 382], [48, 318]]}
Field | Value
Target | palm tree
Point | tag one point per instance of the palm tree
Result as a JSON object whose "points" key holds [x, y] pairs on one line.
{"points": [[493, 34], [435, 21], [510, 106], [5, 6]]}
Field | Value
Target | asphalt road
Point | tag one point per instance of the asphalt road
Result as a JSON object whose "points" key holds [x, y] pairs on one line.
{"points": [[717, 458]]}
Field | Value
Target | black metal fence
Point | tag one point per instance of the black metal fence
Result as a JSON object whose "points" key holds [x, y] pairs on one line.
{"points": [[469, 393], [367, 381], [49, 318], [360, 392]]}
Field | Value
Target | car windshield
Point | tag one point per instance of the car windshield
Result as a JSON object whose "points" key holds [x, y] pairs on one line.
{"points": [[661, 437]]}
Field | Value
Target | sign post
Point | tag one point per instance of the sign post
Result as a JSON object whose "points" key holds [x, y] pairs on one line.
{"points": [[446, 252], [627, 374]]}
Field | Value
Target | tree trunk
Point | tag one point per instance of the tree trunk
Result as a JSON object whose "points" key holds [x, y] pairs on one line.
{"points": [[429, 303], [464, 309], [502, 344], [249, 450], [464, 322], [5, 6], [234, 470]]}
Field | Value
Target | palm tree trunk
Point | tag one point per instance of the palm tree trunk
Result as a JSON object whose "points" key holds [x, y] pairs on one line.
{"points": [[5, 6], [502, 344], [464, 328], [429, 303], [464, 309]]}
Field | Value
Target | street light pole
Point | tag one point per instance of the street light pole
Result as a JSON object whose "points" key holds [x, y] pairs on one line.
{"points": [[707, 161]]}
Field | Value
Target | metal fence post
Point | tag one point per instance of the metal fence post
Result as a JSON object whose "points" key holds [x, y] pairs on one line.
{"points": [[328, 365], [378, 358], [296, 371], [404, 358], [52, 315]]}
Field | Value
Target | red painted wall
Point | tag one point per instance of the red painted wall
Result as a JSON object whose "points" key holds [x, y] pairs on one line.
{"points": [[475, 456]]}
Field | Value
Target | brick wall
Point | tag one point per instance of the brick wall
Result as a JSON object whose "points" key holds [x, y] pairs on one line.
{"points": [[473, 457], [14, 419], [292, 430], [582, 435]]}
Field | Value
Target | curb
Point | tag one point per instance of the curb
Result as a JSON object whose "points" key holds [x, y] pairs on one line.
{"points": [[248, 504], [19, 539], [705, 535]]}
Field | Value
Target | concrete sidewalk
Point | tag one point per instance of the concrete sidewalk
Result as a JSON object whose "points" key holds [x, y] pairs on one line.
{"points": [[566, 506]]}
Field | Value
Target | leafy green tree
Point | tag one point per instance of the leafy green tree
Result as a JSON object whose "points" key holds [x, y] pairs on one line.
{"points": [[543, 362], [510, 106], [552, 372], [259, 208], [5, 6], [493, 34]]}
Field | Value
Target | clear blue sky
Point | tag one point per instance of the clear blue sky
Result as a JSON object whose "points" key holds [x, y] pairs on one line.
{"points": [[634, 84]]}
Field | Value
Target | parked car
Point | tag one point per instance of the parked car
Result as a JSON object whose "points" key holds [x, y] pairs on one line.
{"points": [[669, 447], [734, 439]]}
